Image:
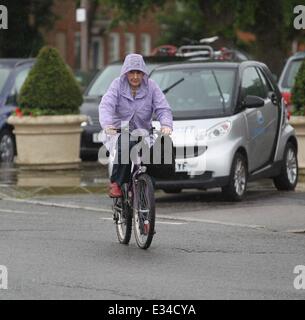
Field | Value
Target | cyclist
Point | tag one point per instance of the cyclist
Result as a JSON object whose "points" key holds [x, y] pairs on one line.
{"points": [[132, 98]]}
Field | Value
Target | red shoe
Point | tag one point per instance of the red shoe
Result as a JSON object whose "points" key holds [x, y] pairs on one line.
{"points": [[115, 190]]}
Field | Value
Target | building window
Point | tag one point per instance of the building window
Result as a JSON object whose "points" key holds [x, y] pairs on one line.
{"points": [[145, 44], [114, 47], [97, 53], [130, 43]]}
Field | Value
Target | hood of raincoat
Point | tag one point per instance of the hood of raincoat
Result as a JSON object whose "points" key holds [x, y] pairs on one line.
{"points": [[134, 62]]}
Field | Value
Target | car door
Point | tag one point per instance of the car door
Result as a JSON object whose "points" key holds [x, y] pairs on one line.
{"points": [[261, 122]]}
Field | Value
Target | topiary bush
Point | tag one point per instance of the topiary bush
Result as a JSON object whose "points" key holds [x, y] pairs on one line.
{"points": [[298, 92], [50, 88]]}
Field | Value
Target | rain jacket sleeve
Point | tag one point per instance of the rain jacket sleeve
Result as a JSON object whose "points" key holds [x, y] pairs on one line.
{"points": [[161, 107], [108, 105]]}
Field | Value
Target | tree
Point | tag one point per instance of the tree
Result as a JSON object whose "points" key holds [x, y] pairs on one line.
{"points": [[298, 91], [50, 88], [26, 19], [270, 21]]}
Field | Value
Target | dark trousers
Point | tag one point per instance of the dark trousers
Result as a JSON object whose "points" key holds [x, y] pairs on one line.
{"points": [[121, 172]]}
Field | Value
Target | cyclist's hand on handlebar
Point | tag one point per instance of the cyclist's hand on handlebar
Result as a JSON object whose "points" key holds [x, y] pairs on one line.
{"points": [[111, 130], [166, 131]]}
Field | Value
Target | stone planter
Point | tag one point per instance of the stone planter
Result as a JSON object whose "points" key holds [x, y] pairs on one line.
{"points": [[298, 122], [47, 140]]}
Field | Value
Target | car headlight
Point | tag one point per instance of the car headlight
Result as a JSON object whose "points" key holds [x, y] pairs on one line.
{"points": [[219, 130], [89, 122]]}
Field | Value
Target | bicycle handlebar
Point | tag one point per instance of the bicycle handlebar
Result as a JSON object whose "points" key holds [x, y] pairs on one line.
{"points": [[120, 130]]}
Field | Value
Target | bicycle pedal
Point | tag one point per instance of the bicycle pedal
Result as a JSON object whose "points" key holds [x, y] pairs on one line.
{"points": [[115, 218]]}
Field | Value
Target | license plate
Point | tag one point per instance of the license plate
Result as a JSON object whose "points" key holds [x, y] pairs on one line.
{"points": [[96, 138], [181, 167]]}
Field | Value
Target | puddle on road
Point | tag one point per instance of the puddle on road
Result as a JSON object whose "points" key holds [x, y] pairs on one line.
{"points": [[85, 177]]}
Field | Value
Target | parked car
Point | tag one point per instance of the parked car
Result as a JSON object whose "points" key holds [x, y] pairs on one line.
{"points": [[232, 117], [90, 142], [287, 78], [13, 73]]}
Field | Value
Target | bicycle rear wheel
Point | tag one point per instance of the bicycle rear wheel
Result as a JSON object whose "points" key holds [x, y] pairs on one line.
{"points": [[123, 218], [144, 211]]}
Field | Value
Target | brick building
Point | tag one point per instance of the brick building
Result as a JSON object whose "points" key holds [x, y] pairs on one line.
{"points": [[105, 45]]}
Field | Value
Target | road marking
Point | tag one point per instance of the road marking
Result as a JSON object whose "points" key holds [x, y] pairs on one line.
{"points": [[58, 205], [157, 222], [164, 217], [172, 223], [21, 212], [232, 224]]}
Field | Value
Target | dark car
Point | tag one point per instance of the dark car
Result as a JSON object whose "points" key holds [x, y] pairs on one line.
{"points": [[13, 73], [287, 78], [90, 143]]}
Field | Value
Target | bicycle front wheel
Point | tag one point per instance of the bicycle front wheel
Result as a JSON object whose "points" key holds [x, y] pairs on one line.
{"points": [[144, 211]]}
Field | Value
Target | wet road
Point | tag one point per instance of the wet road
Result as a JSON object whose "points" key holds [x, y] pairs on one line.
{"points": [[65, 247]]}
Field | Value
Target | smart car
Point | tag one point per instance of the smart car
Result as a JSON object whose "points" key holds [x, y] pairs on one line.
{"points": [[230, 127]]}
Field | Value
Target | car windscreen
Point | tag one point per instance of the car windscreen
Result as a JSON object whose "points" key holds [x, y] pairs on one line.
{"points": [[4, 73], [194, 93], [291, 72], [103, 80]]}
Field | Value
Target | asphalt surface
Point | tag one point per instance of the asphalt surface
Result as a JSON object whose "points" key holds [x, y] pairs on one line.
{"points": [[65, 247]]}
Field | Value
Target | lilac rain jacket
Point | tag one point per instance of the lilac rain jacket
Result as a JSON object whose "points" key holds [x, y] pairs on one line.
{"points": [[118, 104]]}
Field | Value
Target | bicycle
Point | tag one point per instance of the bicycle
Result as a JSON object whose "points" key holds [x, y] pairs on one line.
{"points": [[136, 205]]}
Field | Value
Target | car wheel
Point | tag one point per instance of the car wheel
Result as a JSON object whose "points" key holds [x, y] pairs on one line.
{"points": [[288, 178], [236, 189], [7, 146]]}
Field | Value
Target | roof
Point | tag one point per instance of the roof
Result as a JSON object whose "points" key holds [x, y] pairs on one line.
{"points": [[300, 54], [196, 64], [153, 59]]}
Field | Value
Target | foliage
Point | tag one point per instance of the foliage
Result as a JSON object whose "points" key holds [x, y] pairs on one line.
{"points": [[26, 21], [270, 21], [298, 92], [50, 88]]}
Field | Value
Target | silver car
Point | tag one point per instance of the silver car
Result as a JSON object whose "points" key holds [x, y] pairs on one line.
{"points": [[230, 127]]}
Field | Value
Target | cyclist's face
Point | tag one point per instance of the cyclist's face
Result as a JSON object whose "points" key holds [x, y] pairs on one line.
{"points": [[135, 77]]}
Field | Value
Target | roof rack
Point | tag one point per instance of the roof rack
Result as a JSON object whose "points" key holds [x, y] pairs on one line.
{"points": [[195, 51]]}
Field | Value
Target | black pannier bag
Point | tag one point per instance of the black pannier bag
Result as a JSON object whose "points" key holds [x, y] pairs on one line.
{"points": [[162, 158]]}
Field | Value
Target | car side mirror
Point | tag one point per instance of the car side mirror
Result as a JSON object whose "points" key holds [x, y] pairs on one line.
{"points": [[253, 102]]}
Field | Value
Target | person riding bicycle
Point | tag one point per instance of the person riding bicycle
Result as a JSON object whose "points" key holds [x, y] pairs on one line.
{"points": [[132, 98]]}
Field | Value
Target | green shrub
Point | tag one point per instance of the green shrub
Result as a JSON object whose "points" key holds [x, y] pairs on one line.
{"points": [[298, 92], [50, 88]]}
